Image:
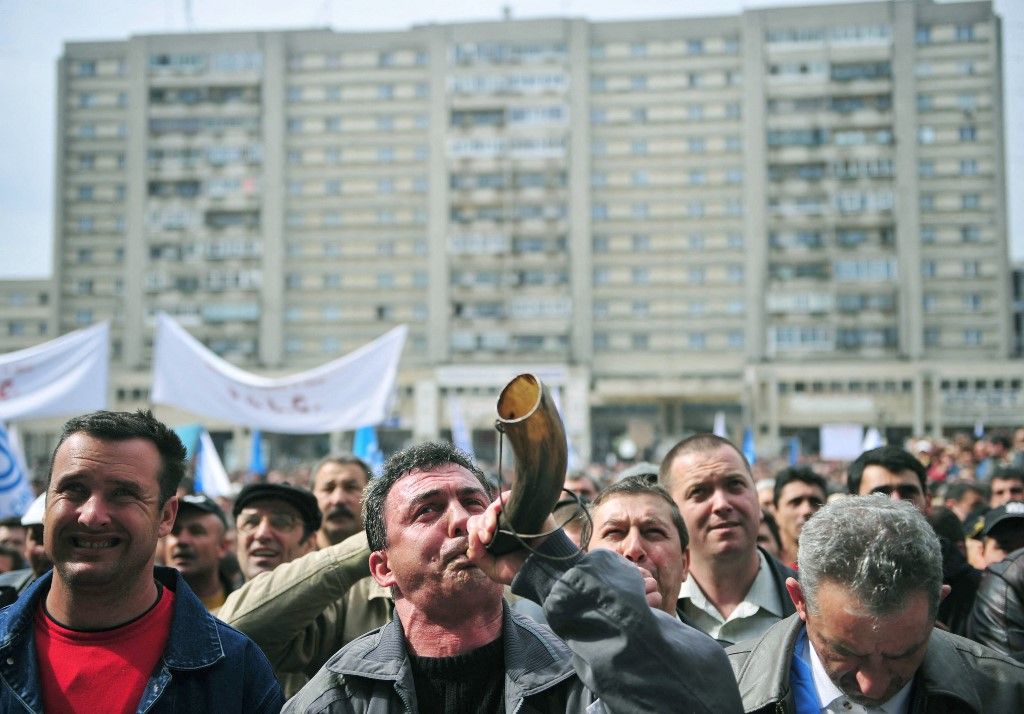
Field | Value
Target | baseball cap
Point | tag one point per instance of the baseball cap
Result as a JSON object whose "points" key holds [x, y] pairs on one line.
{"points": [[303, 500], [202, 503], [34, 515], [1008, 511]]}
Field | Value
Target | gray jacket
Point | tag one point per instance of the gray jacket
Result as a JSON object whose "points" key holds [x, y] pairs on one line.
{"points": [[957, 675], [613, 646]]}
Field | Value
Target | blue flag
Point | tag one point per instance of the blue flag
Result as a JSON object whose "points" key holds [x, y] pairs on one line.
{"points": [[365, 446], [794, 450], [15, 490], [256, 463], [748, 446]]}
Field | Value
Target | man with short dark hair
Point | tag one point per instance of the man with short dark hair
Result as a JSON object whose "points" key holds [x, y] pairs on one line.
{"points": [[799, 494], [637, 518], [734, 590], [864, 636], [1007, 485], [338, 483], [454, 646], [196, 545], [963, 498], [892, 472], [105, 630]]}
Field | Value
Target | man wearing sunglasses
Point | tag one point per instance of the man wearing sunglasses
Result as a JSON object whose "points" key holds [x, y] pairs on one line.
{"points": [[276, 524]]}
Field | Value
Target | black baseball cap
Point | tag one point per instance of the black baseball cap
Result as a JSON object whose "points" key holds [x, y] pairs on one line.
{"points": [[203, 503], [303, 500], [1006, 512]]}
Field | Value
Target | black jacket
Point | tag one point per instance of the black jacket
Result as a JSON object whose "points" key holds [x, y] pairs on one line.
{"points": [[997, 620]]}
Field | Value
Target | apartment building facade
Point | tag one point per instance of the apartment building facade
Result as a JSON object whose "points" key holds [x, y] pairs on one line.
{"points": [[777, 214]]}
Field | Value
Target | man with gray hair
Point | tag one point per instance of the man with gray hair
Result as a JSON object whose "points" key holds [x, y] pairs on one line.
{"points": [[864, 636]]}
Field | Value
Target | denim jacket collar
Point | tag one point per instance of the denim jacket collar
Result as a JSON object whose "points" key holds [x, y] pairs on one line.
{"points": [[193, 646]]}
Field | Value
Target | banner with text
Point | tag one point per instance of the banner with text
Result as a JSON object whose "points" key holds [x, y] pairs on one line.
{"points": [[67, 375], [345, 394]]}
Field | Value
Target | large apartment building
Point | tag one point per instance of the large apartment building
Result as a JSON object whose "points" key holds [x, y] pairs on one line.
{"points": [[794, 215]]}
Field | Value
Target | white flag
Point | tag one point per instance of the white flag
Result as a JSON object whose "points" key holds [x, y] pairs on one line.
{"points": [[209, 476], [719, 428], [461, 436], [342, 395], [15, 490], [67, 375]]}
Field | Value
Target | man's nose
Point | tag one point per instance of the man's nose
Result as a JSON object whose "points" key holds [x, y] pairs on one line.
{"points": [[873, 681], [458, 519], [94, 512], [632, 548]]}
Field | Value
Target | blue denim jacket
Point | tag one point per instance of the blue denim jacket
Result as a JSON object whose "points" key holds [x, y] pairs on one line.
{"points": [[207, 666]]}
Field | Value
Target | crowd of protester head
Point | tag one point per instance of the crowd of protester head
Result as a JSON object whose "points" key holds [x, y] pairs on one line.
{"points": [[720, 542]]}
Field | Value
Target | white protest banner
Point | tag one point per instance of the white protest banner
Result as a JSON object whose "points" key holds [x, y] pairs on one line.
{"points": [[345, 394], [67, 375]]}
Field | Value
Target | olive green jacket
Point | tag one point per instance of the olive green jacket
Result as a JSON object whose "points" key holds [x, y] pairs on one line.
{"points": [[304, 611]]}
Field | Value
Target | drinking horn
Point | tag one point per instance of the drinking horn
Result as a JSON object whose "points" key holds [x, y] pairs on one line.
{"points": [[528, 418]]}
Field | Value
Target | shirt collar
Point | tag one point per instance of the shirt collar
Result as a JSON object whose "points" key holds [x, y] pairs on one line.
{"points": [[828, 692], [762, 593]]}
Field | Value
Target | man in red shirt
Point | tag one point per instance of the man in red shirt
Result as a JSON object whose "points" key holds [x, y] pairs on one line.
{"points": [[108, 631]]}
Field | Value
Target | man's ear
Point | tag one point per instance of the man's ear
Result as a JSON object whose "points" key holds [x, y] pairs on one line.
{"points": [[686, 563], [168, 512], [796, 594], [944, 591], [381, 570]]}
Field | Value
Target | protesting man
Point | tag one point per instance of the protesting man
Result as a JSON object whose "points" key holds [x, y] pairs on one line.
{"points": [[864, 636], [195, 546], [276, 523], [105, 631], [799, 494], [637, 518], [338, 483], [734, 591], [455, 646]]}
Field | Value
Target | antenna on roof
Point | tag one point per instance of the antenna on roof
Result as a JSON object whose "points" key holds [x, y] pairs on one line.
{"points": [[506, 12], [188, 15]]}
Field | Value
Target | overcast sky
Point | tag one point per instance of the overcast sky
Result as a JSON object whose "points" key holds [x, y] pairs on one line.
{"points": [[32, 33]]}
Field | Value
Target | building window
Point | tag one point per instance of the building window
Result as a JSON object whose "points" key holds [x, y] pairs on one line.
{"points": [[970, 201], [965, 33], [641, 340], [972, 337]]}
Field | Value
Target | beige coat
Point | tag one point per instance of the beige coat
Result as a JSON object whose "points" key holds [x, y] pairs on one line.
{"points": [[304, 611]]}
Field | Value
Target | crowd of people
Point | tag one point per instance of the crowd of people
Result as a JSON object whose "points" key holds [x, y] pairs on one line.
{"points": [[698, 583]]}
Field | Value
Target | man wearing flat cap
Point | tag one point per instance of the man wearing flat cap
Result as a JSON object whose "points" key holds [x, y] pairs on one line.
{"points": [[276, 523]]}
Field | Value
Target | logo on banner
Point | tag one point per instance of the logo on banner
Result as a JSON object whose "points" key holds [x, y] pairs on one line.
{"points": [[15, 493]]}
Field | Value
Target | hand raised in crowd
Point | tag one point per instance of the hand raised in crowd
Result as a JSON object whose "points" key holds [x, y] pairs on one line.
{"points": [[482, 529]]}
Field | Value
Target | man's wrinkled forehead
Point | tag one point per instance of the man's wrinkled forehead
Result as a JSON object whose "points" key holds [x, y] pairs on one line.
{"points": [[413, 484]]}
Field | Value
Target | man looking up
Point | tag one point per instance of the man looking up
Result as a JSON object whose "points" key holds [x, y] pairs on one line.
{"points": [[105, 630], [637, 518], [196, 545], [455, 647], [276, 523], [734, 590], [338, 483], [864, 636], [799, 494]]}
